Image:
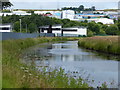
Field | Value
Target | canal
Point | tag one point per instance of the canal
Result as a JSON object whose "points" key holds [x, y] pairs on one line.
{"points": [[91, 66]]}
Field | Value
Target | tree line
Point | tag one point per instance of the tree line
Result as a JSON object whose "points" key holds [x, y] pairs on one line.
{"points": [[80, 8], [34, 21]]}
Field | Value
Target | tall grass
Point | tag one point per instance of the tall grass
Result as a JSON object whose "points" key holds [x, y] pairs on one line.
{"points": [[19, 75], [106, 44]]}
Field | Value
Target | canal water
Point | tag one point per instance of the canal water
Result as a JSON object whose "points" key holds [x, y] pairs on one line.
{"points": [[93, 67]]}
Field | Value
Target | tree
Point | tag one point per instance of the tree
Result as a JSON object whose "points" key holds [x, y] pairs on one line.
{"points": [[90, 33], [118, 24], [102, 32], [94, 27], [85, 21], [112, 30], [65, 21], [32, 27], [104, 27], [81, 8], [17, 26], [100, 23], [5, 5], [30, 11], [93, 8], [57, 21]]}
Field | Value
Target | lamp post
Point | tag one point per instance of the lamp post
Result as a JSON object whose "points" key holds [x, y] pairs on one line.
{"points": [[20, 25]]}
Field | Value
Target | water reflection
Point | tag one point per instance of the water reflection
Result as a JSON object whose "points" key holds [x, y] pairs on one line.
{"points": [[67, 55]]}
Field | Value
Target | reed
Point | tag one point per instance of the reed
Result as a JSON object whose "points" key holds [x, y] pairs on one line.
{"points": [[106, 44]]}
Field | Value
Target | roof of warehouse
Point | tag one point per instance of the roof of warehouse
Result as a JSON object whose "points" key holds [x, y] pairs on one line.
{"points": [[47, 26]]}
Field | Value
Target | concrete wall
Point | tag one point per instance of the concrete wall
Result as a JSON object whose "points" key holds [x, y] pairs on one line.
{"points": [[13, 35]]}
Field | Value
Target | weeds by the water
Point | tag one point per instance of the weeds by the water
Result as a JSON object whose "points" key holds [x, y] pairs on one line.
{"points": [[106, 44], [19, 75]]}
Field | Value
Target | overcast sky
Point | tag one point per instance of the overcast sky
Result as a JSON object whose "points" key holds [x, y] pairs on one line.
{"points": [[54, 4]]}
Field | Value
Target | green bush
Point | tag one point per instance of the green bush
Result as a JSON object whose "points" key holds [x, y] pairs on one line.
{"points": [[90, 33]]}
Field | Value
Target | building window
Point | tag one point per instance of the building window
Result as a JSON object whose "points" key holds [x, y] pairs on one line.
{"points": [[4, 28]]}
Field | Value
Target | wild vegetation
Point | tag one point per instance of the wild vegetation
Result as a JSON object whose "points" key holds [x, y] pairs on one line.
{"points": [[18, 75], [106, 44]]}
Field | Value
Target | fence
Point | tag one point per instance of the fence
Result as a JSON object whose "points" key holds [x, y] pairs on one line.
{"points": [[13, 35]]}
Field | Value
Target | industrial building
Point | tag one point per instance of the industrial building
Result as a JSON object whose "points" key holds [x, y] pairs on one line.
{"points": [[74, 31], [5, 14], [56, 14], [105, 21], [56, 29], [68, 14], [65, 14], [89, 16], [59, 31], [102, 20], [112, 14], [5, 28], [23, 13]]}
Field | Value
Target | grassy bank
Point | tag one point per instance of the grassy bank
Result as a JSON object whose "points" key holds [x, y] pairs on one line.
{"points": [[19, 75], [105, 44]]}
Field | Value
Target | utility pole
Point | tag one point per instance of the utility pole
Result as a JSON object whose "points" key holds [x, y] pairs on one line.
{"points": [[26, 28], [57, 4], [20, 25]]}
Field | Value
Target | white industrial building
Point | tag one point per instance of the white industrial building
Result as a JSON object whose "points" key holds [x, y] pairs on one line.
{"points": [[5, 28], [5, 14], [56, 29], [105, 21], [43, 12], [68, 14], [59, 31], [56, 14], [101, 12], [21, 13], [102, 20], [74, 31], [111, 13]]}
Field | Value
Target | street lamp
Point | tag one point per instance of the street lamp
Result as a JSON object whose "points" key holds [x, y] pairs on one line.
{"points": [[20, 25]]}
